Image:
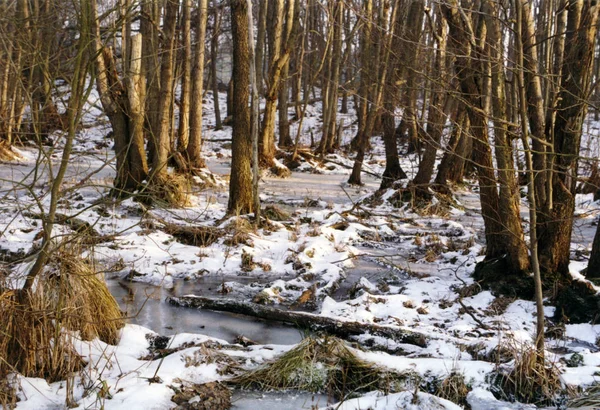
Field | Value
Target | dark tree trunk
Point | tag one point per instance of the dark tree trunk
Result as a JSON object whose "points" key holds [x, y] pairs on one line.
{"points": [[195, 144], [469, 76], [452, 166], [556, 226], [393, 170], [437, 114], [240, 183], [214, 55], [593, 270]]}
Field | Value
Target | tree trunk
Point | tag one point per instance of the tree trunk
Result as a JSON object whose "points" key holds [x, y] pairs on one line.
{"points": [[593, 270], [214, 54], [122, 102], [162, 144], [535, 102], [461, 41], [285, 140], [412, 34], [437, 115], [509, 200], [393, 171], [556, 227], [281, 44], [149, 23], [195, 146], [240, 183], [261, 43], [183, 131], [452, 166], [361, 140]]}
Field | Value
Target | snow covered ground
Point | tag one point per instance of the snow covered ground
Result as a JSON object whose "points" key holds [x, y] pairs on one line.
{"points": [[371, 263]]}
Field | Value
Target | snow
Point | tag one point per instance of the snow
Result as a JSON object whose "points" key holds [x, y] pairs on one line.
{"points": [[405, 400]]}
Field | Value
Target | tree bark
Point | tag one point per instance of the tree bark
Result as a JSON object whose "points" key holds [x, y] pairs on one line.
{"points": [[509, 200], [593, 270], [436, 117], [452, 166], [556, 226], [183, 131], [195, 145], [214, 54], [462, 42], [281, 44], [162, 144], [240, 183]]}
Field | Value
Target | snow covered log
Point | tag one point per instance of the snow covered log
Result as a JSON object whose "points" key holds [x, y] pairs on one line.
{"points": [[343, 329]]}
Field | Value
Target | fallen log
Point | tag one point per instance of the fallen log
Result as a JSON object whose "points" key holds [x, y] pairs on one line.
{"points": [[340, 328]]}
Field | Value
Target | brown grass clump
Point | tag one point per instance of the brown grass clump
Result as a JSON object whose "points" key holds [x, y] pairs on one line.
{"points": [[238, 232], [6, 154], [280, 170], [320, 365], [248, 263], [166, 189], [201, 236], [590, 399], [454, 388], [531, 380], [68, 295], [89, 306], [274, 213]]}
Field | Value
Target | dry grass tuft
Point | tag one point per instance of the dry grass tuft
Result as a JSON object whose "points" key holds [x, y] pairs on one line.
{"points": [[590, 399], [6, 153], [454, 388], [238, 232], [166, 190], [279, 170], [201, 236], [68, 295], [8, 396], [531, 380], [274, 213], [320, 365], [248, 263]]}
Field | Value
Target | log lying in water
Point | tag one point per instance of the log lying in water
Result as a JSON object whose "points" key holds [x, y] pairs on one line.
{"points": [[304, 320]]}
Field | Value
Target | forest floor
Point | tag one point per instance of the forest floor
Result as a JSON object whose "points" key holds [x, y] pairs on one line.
{"points": [[329, 249]]}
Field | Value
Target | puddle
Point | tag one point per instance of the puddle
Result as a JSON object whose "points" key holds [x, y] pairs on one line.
{"points": [[145, 305]]}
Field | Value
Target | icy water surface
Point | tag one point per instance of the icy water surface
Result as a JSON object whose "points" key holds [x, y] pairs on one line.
{"points": [[145, 305]]}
